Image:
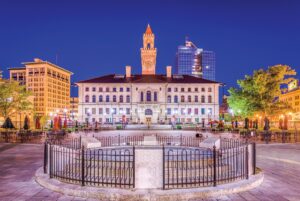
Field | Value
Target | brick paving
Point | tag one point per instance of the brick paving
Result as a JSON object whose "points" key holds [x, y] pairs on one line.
{"points": [[280, 162]]}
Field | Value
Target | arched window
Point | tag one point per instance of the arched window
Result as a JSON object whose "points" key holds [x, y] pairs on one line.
{"points": [[148, 112], [100, 98], [94, 99], [128, 99], [121, 99], [209, 99], [87, 98], [155, 96], [202, 99], [142, 96], [169, 99], [182, 99], [107, 98], [176, 99], [148, 46], [148, 96], [114, 98], [189, 99]]}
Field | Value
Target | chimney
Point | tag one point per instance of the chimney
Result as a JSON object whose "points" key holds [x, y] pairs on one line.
{"points": [[169, 71], [128, 71]]}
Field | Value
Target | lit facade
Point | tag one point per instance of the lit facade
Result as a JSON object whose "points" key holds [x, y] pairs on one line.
{"points": [[49, 83], [74, 108], [148, 97], [292, 97]]}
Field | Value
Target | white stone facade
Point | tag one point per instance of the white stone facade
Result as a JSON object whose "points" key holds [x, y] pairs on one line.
{"points": [[135, 110]]}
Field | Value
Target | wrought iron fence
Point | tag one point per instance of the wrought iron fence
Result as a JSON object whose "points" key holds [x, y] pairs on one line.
{"points": [[198, 167], [22, 136], [105, 167]]}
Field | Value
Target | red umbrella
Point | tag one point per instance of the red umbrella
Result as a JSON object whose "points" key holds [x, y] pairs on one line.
{"points": [[65, 123], [37, 123], [55, 123], [59, 122]]}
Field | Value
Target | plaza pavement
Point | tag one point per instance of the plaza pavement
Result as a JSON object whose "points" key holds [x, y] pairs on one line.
{"points": [[280, 163]]}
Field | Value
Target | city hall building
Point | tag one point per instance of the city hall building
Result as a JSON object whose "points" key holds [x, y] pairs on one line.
{"points": [[148, 97]]}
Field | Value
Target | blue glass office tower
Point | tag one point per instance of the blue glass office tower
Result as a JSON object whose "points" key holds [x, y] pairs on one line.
{"points": [[208, 65], [194, 61], [188, 60]]}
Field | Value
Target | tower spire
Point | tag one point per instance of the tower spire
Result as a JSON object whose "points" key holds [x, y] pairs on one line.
{"points": [[148, 30]]}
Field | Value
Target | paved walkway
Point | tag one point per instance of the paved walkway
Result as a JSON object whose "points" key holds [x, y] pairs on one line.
{"points": [[280, 162]]}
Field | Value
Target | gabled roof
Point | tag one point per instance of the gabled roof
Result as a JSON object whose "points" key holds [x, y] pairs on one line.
{"points": [[113, 78]]}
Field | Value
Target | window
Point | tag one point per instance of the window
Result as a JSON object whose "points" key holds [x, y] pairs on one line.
{"points": [[176, 89], [114, 111], [142, 96], [175, 99], [196, 111], [155, 96], [209, 99], [189, 89], [182, 111], [169, 111], [94, 99], [175, 110], [169, 99], [87, 89], [189, 99], [100, 110], [107, 89], [196, 89], [114, 89], [94, 89], [86, 110], [114, 98], [107, 98], [121, 89], [189, 111], [127, 110], [182, 99], [203, 111], [87, 98], [202, 99], [182, 89], [209, 111], [148, 96], [148, 112], [196, 99], [169, 89], [107, 110], [121, 99], [209, 89], [93, 110], [100, 98], [100, 89], [127, 99], [203, 89], [128, 89]]}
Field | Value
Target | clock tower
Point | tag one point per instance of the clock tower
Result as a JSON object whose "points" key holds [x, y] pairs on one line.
{"points": [[148, 53]]}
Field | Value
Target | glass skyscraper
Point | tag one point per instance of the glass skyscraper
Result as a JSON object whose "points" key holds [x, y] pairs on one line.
{"points": [[192, 60], [208, 65]]}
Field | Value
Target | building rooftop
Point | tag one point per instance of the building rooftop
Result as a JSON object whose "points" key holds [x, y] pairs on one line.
{"points": [[113, 78]]}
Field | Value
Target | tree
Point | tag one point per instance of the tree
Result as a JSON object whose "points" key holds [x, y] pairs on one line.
{"points": [[257, 93], [13, 98]]}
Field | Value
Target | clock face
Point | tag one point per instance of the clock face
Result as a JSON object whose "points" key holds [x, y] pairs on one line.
{"points": [[148, 63]]}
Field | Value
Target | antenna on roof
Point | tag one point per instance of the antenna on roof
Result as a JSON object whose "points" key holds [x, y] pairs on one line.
{"points": [[56, 59]]}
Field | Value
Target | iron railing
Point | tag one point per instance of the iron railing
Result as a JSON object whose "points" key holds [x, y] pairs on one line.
{"points": [[105, 167]]}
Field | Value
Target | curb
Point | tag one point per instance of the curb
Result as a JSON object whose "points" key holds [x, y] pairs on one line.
{"points": [[115, 194]]}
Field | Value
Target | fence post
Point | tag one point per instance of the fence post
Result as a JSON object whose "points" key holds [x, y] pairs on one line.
{"points": [[45, 157], [51, 161], [247, 161], [254, 157], [163, 167], [215, 165], [133, 173], [119, 140], [79, 141], [82, 166]]}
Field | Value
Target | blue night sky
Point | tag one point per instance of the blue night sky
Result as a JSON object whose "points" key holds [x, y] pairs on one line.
{"points": [[92, 38]]}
